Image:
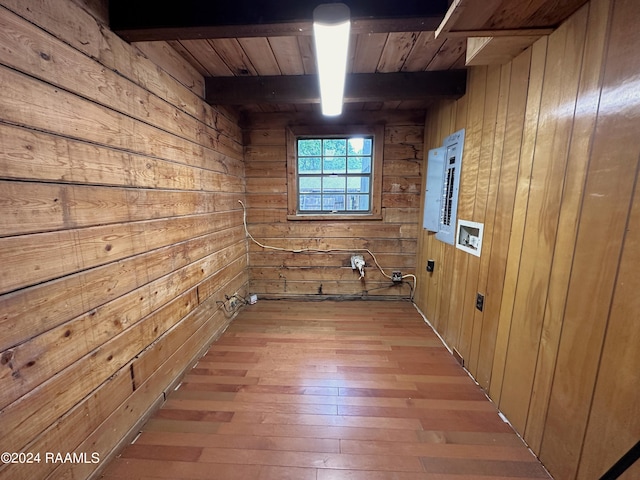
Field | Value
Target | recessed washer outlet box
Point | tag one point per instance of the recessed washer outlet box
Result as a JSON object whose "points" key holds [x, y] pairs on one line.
{"points": [[469, 237]]}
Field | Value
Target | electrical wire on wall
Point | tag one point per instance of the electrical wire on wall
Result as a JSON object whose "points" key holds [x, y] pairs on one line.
{"points": [[318, 250]]}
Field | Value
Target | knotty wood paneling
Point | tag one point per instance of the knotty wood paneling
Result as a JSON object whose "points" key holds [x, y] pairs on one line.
{"points": [[392, 240], [120, 230], [555, 347]]}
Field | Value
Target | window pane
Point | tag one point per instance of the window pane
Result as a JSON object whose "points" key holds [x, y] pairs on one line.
{"points": [[334, 146], [360, 146], [310, 148], [358, 203], [333, 184], [310, 202], [358, 184], [359, 165], [334, 174], [335, 165], [308, 165], [310, 184], [333, 203]]}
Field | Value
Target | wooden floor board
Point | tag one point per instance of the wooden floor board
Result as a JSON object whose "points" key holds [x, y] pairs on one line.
{"points": [[327, 391]]}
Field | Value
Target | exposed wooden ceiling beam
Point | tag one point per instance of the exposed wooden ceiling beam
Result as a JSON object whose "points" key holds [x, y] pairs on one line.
{"points": [[361, 87], [514, 32], [358, 26], [150, 20]]}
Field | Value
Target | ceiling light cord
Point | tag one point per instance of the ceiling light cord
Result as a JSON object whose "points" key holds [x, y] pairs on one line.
{"points": [[319, 250]]}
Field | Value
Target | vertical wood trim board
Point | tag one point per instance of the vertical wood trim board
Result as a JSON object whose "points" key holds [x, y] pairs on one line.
{"points": [[556, 345], [120, 230]]}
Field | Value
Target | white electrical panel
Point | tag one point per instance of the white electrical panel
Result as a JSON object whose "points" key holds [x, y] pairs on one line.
{"points": [[443, 183]]}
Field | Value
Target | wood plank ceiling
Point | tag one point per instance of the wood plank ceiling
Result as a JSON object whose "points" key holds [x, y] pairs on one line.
{"points": [[269, 40]]}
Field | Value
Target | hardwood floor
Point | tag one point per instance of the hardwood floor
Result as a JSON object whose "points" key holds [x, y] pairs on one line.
{"points": [[327, 391]]}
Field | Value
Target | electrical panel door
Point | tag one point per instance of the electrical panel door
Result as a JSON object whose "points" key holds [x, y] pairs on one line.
{"points": [[433, 193]]}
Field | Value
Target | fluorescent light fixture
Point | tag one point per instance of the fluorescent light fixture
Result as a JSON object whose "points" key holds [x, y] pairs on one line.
{"points": [[331, 26]]}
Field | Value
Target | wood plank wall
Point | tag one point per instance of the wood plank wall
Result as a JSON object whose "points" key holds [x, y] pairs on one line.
{"points": [[551, 169], [120, 229], [392, 240]]}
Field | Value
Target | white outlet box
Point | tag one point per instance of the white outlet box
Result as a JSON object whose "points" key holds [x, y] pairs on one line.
{"points": [[469, 237]]}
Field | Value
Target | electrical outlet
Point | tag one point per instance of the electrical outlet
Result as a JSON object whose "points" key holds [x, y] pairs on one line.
{"points": [[396, 277], [480, 301]]}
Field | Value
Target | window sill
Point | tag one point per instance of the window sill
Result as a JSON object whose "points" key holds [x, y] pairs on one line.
{"points": [[334, 216]]}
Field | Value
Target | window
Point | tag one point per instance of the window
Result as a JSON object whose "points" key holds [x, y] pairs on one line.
{"points": [[334, 173]]}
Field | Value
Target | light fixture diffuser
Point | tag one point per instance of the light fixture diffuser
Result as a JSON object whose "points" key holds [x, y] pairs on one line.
{"points": [[331, 28]]}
